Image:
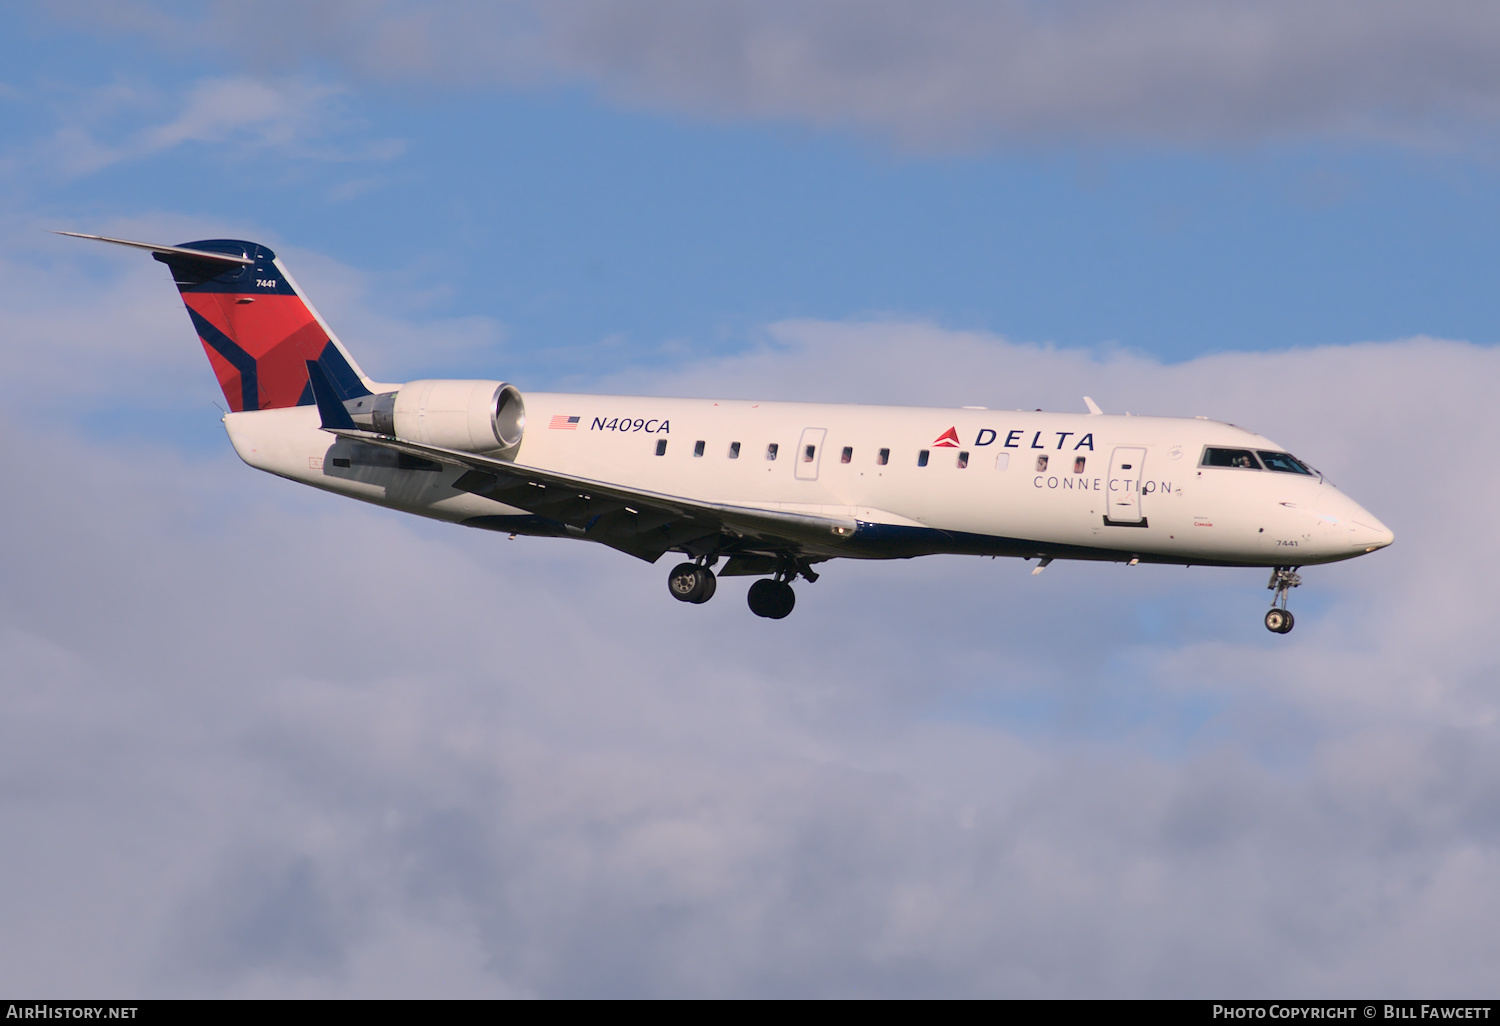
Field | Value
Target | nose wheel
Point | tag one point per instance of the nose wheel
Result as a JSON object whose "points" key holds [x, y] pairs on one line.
{"points": [[1279, 619]]}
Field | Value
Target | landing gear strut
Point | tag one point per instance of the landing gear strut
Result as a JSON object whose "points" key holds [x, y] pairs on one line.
{"points": [[1279, 619], [692, 582]]}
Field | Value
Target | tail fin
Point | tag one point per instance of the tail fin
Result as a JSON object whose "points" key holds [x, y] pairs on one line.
{"points": [[258, 331]]}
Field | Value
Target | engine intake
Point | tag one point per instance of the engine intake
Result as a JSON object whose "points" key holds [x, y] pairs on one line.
{"points": [[474, 416]]}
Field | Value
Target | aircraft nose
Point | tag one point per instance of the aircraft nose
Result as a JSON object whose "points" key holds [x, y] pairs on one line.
{"points": [[1370, 534], [1360, 530], [1345, 528]]}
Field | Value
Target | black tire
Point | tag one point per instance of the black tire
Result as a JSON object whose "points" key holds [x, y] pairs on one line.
{"points": [[710, 585], [761, 598], [689, 582], [789, 597], [771, 599], [1278, 621]]}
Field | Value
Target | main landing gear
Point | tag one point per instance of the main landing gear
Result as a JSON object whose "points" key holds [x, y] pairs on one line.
{"points": [[770, 597], [773, 597], [1279, 619], [692, 582]]}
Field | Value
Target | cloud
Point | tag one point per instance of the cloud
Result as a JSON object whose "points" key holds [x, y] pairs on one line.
{"points": [[945, 73], [218, 109], [296, 116], [264, 741]]}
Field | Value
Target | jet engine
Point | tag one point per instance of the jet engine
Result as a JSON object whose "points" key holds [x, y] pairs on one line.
{"points": [[474, 416]]}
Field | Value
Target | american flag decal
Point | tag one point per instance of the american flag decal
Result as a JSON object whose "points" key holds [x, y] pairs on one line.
{"points": [[563, 422]]}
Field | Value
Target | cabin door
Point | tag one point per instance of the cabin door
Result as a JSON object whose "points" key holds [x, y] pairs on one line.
{"points": [[810, 453], [1124, 501]]}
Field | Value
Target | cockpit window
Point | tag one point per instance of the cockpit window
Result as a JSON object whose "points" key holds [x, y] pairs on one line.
{"points": [[1282, 461], [1242, 458]]}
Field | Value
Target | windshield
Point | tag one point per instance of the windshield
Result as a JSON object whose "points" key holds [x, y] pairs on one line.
{"points": [[1241, 458], [1283, 461]]}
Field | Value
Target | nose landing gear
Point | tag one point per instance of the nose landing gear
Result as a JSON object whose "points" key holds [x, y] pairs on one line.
{"points": [[1279, 619]]}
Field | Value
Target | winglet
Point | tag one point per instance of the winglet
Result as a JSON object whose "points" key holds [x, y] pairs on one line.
{"points": [[1094, 410], [335, 416]]}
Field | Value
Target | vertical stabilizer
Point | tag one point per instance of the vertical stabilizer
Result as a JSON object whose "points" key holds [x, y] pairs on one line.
{"points": [[257, 329]]}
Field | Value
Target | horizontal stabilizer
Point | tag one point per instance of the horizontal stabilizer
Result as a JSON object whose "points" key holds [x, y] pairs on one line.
{"points": [[170, 251]]}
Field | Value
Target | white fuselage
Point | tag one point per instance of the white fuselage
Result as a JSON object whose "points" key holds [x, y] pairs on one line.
{"points": [[1001, 483]]}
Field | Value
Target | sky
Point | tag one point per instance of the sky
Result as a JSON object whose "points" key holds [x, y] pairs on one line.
{"points": [[262, 741]]}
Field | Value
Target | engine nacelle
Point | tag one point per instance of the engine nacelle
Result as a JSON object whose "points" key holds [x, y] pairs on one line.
{"points": [[475, 416]]}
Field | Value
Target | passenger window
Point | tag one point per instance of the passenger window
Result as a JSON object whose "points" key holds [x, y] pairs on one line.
{"points": [[1244, 459], [808, 452], [661, 447], [1041, 464], [771, 451], [963, 461], [1078, 465], [734, 450], [698, 447], [1282, 461], [847, 455], [884, 458], [922, 458], [340, 461], [1002, 461]]}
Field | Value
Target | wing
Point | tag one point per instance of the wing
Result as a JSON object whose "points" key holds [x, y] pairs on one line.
{"points": [[643, 523]]}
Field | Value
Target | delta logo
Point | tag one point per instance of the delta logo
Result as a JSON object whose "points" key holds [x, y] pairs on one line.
{"points": [[947, 440]]}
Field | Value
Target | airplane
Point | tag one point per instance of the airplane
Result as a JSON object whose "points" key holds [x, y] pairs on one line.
{"points": [[771, 489]]}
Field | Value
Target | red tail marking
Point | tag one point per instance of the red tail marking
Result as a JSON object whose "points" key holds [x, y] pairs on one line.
{"points": [[278, 331]]}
